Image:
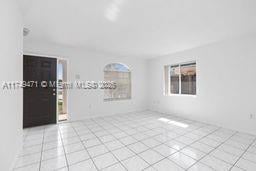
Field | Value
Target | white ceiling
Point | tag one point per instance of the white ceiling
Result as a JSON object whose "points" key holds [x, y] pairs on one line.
{"points": [[141, 28]]}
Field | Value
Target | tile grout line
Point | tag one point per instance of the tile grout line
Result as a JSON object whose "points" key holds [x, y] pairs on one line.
{"points": [[114, 125], [124, 145], [141, 132], [157, 135], [107, 148], [207, 154], [167, 157], [135, 154], [150, 165], [85, 148], [38, 162], [243, 154], [63, 147], [42, 151]]}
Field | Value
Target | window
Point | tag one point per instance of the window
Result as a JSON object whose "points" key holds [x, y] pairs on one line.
{"points": [[180, 79], [121, 75], [175, 79]]}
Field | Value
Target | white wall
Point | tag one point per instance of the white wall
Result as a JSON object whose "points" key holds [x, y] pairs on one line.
{"points": [[89, 65], [226, 84], [10, 70]]}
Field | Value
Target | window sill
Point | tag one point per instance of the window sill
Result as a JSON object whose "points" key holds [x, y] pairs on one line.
{"points": [[117, 99], [181, 95]]}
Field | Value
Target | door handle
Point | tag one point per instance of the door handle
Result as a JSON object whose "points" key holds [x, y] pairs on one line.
{"points": [[54, 94]]}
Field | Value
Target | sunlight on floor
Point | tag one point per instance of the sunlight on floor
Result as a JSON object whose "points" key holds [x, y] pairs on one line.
{"points": [[176, 123]]}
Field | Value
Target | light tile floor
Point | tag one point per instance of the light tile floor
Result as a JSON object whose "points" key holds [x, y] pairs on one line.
{"points": [[136, 141]]}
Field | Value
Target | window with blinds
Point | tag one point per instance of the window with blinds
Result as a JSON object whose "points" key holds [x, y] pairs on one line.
{"points": [[121, 75]]}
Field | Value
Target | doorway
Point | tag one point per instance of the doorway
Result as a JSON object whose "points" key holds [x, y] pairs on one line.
{"points": [[44, 103], [39, 99], [61, 90]]}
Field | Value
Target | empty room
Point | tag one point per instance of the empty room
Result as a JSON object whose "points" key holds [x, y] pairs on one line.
{"points": [[128, 85]]}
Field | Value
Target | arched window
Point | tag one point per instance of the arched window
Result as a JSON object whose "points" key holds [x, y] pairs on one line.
{"points": [[121, 76]]}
